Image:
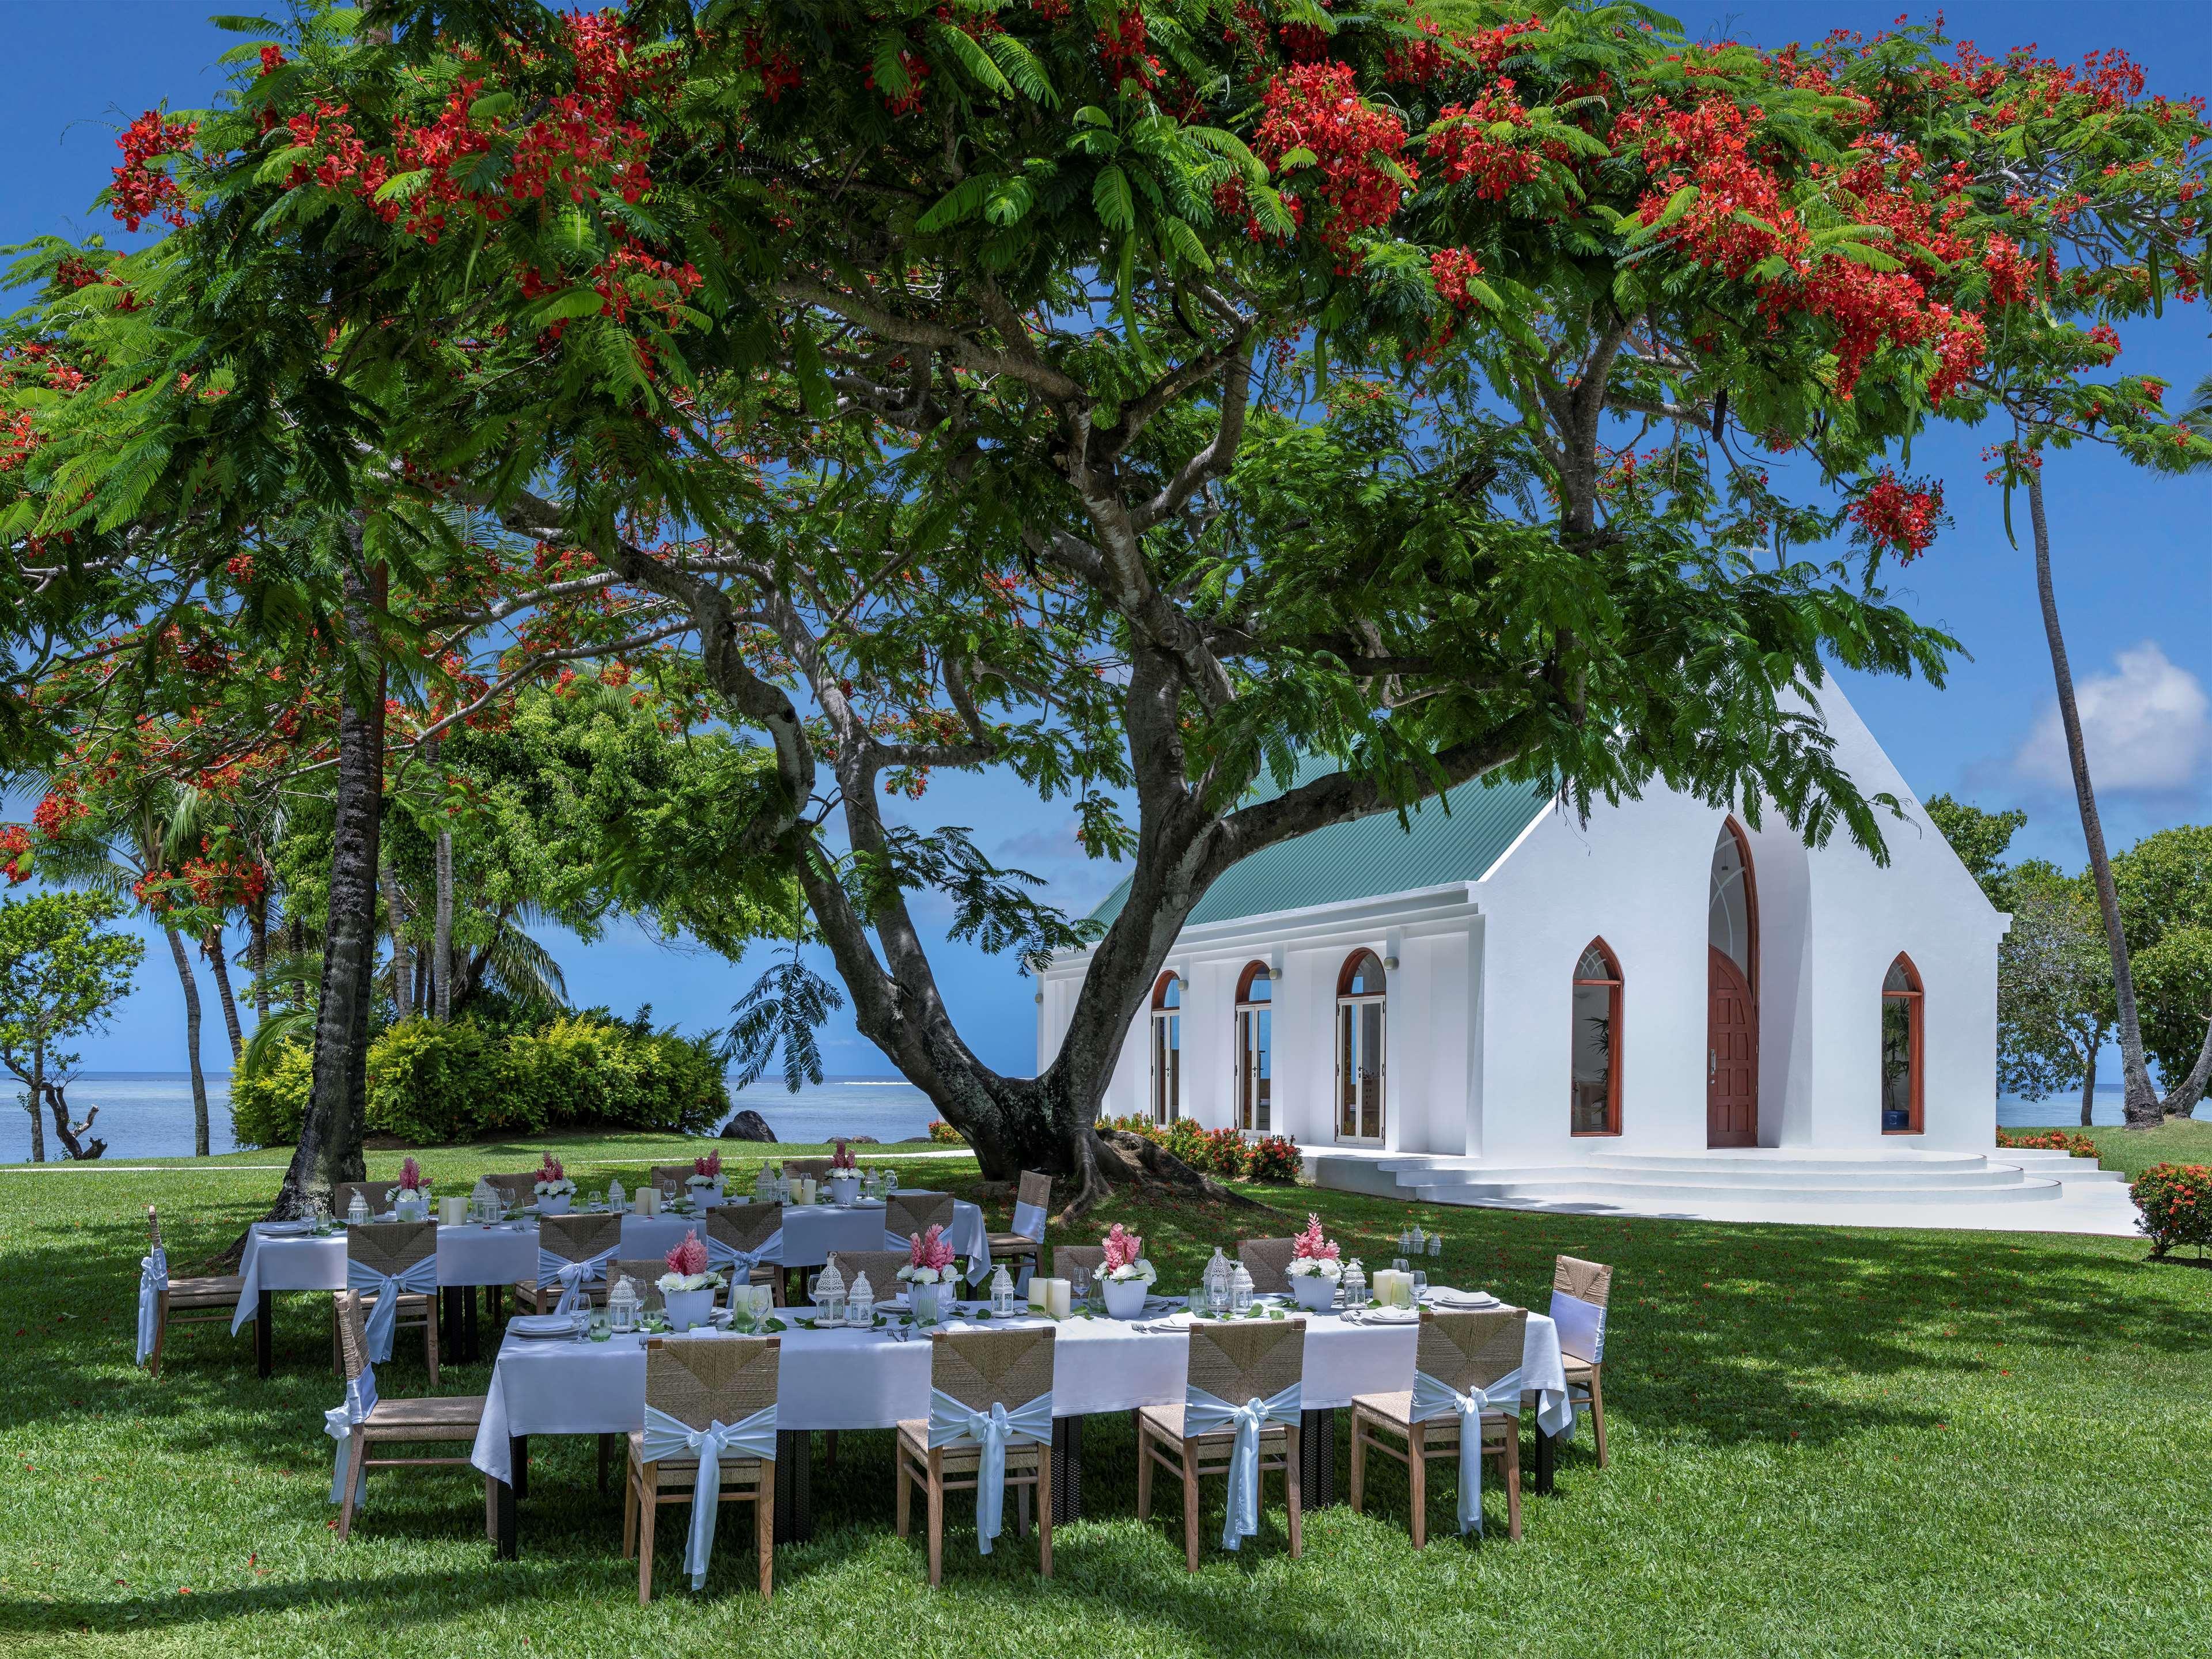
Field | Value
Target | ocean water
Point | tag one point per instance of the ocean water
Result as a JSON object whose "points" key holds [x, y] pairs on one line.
{"points": [[150, 1114]]}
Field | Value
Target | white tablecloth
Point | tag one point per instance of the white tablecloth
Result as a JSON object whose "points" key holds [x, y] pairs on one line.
{"points": [[871, 1380]]}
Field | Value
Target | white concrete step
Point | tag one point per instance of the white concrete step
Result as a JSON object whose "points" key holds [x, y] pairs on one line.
{"points": [[1596, 1188]]}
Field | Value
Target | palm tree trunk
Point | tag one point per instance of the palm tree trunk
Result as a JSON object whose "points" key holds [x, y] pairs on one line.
{"points": [[337, 1118], [2141, 1102], [191, 1040], [257, 922], [212, 948], [2089, 1088], [38, 1093], [442, 953]]}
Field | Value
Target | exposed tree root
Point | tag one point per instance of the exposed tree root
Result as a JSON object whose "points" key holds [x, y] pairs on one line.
{"points": [[1118, 1159]]}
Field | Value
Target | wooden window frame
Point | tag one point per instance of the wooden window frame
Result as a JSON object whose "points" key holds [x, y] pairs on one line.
{"points": [[1245, 1006], [1614, 1010], [1348, 1000], [1916, 1005], [1161, 1015], [1750, 908]]}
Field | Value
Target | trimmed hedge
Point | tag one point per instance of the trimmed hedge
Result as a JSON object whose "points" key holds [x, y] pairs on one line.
{"points": [[2176, 1202], [1222, 1152], [432, 1083]]}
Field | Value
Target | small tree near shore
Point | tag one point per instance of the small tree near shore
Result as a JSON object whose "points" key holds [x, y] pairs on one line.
{"points": [[63, 969]]}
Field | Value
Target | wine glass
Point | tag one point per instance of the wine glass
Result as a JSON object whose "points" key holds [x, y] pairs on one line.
{"points": [[1420, 1285]]}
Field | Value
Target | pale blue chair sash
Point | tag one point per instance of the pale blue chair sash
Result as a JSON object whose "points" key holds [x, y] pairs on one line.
{"points": [[952, 1422], [153, 1279], [1434, 1398], [573, 1275], [419, 1278], [1206, 1413], [768, 1253], [339, 1423], [1582, 1327], [1029, 1221], [667, 1437]]}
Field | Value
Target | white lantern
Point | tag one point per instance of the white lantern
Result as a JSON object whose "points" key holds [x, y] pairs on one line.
{"points": [[1436, 1244], [861, 1302], [764, 1185], [1002, 1293], [828, 1295], [483, 1205], [617, 1199], [622, 1306], [1417, 1243], [1216, 1280], [357, 1211], [1355, 1285], [1240, 1289]]}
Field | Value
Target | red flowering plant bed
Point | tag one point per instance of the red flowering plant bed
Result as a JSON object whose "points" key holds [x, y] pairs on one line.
{"points": [[2049, 1141], [2175, 1201]]}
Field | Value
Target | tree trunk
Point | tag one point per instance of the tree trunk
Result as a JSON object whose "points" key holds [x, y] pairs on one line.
{"points": [[38, 1091], [2141, 1105], [2089, 1087], [336, 1119], [441, 952], [395, 910], [191, 1040], [256, 923], [212, 948]]}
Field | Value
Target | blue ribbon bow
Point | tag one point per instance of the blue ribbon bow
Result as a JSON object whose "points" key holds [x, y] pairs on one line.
{"points": [[667, 1437], [339, 1423], [573, 1276], [1434, 1398], [153, 1280], [1206, 1413], [418, 1277], [954, 1422]]}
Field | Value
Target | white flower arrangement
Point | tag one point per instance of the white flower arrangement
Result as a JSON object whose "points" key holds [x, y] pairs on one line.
{"points": [[1305, 1265], [932, 1260], [552, 1180], [708, 1281], [1312, 1254], [1124, 1258], [688, 1269]]}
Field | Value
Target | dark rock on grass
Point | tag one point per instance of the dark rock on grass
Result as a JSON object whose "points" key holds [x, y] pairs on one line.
{"points": [[748, 1124]]}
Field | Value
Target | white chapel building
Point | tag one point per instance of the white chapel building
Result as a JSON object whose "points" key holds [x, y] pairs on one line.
{"points": [[1508, 989]]}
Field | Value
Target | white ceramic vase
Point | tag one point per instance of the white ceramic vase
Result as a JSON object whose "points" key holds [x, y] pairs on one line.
{"points": [[1315, 1292], [843, 1189], [1125, 1297], [927, 1302], [553, 1203], [689, 1308]]}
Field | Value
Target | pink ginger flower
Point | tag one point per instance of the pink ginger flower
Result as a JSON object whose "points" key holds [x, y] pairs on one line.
{"points": [[1311, 1245], [929, 1249], [410, 1174], [842, 1157], [1123, 1247], [688, 1258], [710, 1166], [549, 1168]]}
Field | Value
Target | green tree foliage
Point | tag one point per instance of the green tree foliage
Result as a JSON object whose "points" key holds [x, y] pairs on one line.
{"points": [[63, 969], [2165, 888], [1979, 838]]}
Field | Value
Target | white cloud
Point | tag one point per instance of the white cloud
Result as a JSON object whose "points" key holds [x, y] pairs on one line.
{"points": [[2148, 727]]}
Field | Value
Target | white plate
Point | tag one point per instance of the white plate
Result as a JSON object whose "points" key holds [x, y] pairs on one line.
{"points": [[1389, 1317], [540, 1327], [1463, 1299], [283, 1229]]}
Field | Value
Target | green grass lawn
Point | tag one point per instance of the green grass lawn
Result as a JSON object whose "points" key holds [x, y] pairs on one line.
{"points": [[2176, 1140], [1824, 1442]]}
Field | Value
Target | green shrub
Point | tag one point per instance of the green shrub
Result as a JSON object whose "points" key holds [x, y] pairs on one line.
{"points": [[268, 1108], [1225, 1154], [944, 1133], [2176, 1202], [1274, 1159], [429, 1083]]}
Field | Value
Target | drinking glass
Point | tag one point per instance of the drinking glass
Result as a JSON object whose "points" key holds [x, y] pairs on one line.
{"points": [[1420, 1285], [1397, 1264], [1079, 1286]]}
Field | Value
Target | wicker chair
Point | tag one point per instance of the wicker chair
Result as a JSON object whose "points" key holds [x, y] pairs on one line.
{"points": [[406, 1421], [906, 1214], [880, 1266], [207, 1301], [1069, 1260], [389, 1246], [747, 1227], [699, 1380], [1268, 1261], [1009, 1248], [1236, 1362], [573, 1238], [814, 1168], [1590, 1282], [980, 1369], [646, 1275], [377, 1194], [673, 1175], [1465, 1350], [518, 1189]]}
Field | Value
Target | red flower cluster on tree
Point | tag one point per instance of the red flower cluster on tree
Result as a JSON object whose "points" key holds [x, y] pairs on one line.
{"points": [[1461, 143], [54, 814], [1899, 516], [905, 102], [14, 854], [1123, 51], [1316, 107], [141, 190], [1448, 269]]}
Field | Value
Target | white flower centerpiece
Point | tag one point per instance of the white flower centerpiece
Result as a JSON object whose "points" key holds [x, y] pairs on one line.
{"points": [[553, 1187], [1317, 1268], [844, 1177], [704, 1183], [411, 1202], [928, 1273], [688, 1288], [1126, 1277]]}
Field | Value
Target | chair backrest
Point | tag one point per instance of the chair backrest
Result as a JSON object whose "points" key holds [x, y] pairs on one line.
{"points": [[1268, 1261], [1249, 1359], [1592, 1281], [353, 1335], [153, 1228], [814, 1168], [698, 1380], [377, 1194], [579, 1237], [674, 1174], [389, 1246], [520, 1189], [1036, 1188], [1471, 1348], [909, 1213], [881, 1266], [743, 1226], [983, 1369], [1067, 1260], [646, 1275]]}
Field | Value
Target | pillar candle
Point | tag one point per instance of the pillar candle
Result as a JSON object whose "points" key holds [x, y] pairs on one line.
{"points": [[453, 1211], [648, 1201], [1058, 1298], [1039, 1287], [1393, 1289]]}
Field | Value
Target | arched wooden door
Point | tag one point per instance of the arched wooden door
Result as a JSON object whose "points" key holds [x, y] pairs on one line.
{"points": [[1732, 1055]]}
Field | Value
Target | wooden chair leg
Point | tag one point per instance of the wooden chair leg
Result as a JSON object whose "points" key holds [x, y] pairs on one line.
{"points": [[430, 1341], [1143, 1474], [1417, 1471], [1044, 1511], [1190, 1505], [1511, 1460], [1021, 1513], [649, 1505], [936, 1515], [337, 1359], [1597, 1414], [1290, 1495], [905, 1489], [1359, 1462], [764, 1527], [629, 1511], [357, 1451]]}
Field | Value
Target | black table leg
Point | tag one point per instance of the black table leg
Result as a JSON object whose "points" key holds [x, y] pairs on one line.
{"points": [[264, 1342], [1066, 1470], [517, 1459], [1317, 1459], [503, 1502], [470, 1352], [1548, 1459], [794, 1482]]}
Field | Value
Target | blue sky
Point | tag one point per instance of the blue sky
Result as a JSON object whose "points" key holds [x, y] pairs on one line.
{"points": [[2131, 549]]}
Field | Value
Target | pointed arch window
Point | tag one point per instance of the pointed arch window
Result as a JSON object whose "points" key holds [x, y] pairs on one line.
{"points": [[1167, 1049], [1903, 1018], [1361, 999], [1595, 1043], [1255, 1049]]}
